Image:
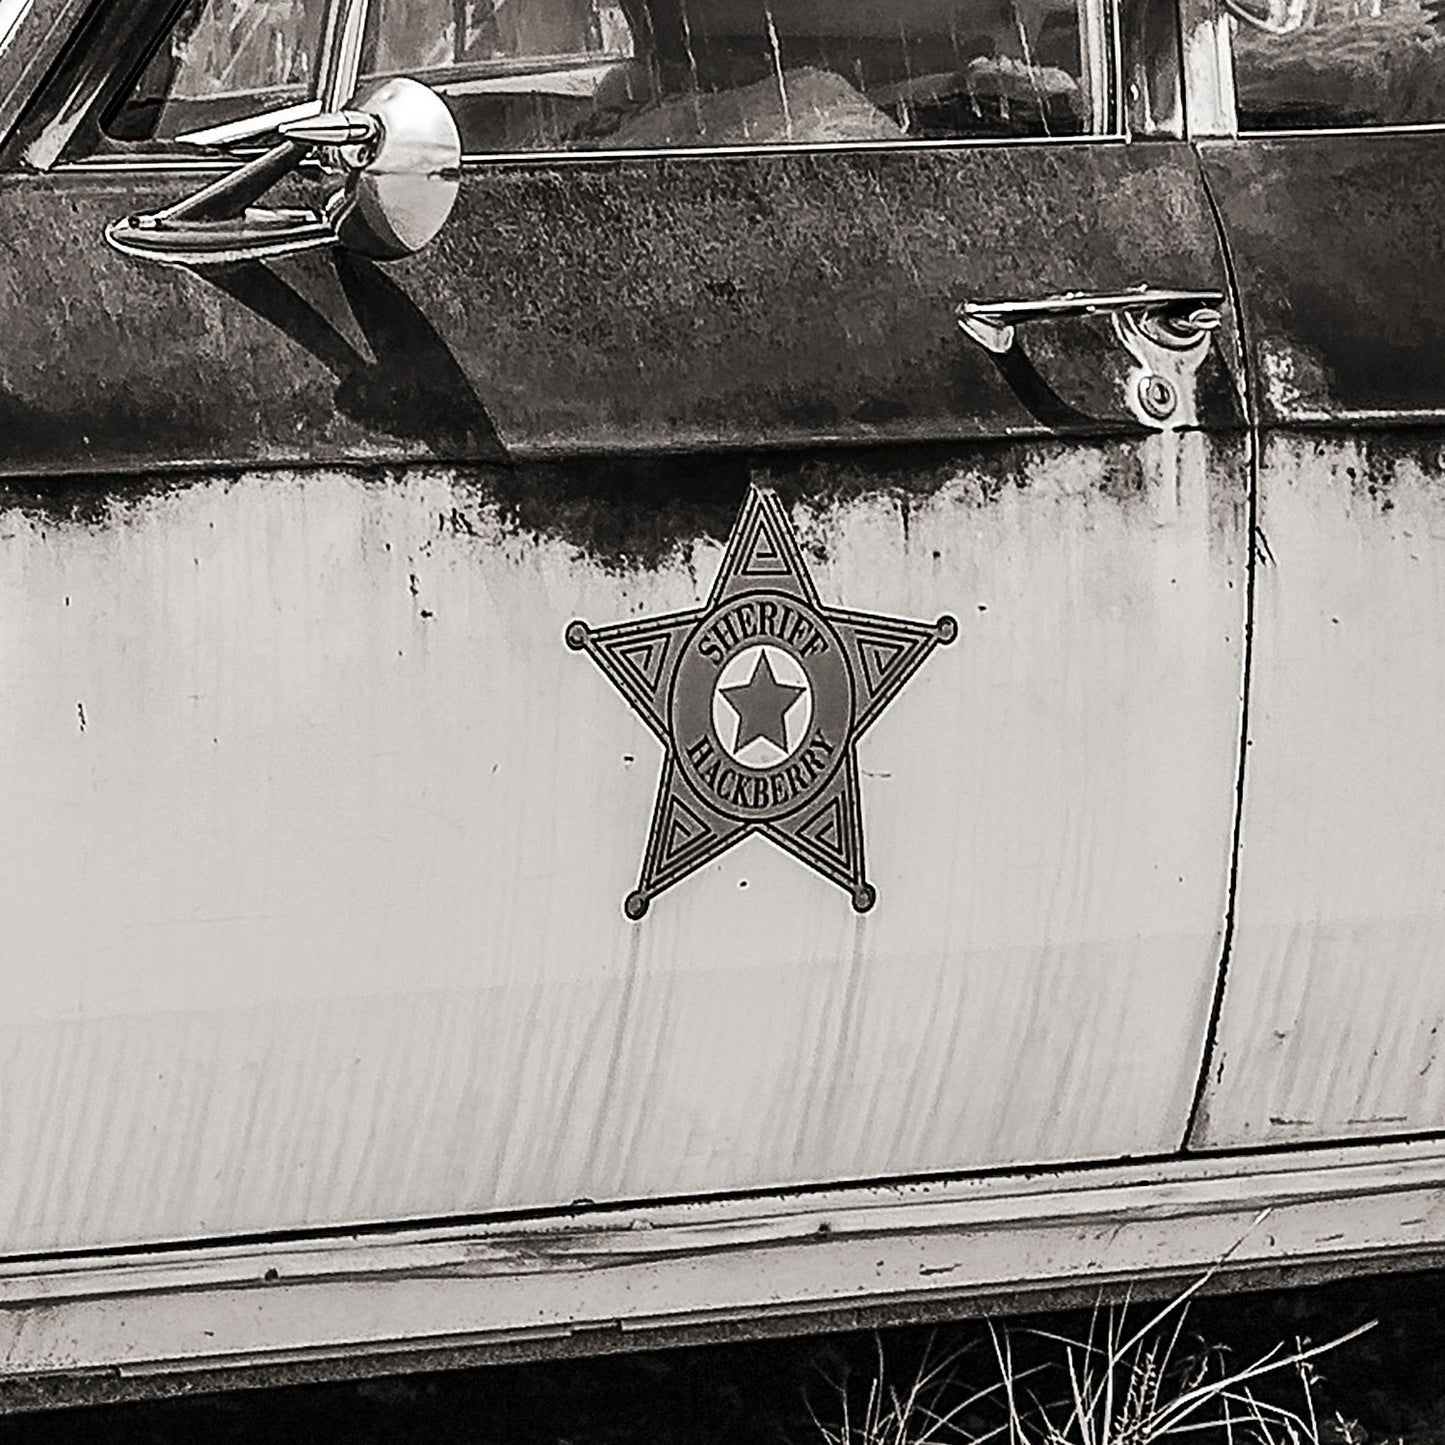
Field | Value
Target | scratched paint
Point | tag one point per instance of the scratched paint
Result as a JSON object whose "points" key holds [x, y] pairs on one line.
{"points": [[315, 919], [1332, 1018]]}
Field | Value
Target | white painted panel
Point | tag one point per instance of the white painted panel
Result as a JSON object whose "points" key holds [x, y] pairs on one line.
{"points": [[1336, 989], [317, 839]]}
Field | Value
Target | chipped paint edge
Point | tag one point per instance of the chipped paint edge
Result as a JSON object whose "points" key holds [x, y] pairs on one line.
{"points": [[599, 1280]]}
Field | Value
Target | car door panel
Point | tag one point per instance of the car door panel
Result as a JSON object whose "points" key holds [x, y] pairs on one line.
{"points": [[322, 833], [1334, 1002], [322, 837], [1352, 334]]}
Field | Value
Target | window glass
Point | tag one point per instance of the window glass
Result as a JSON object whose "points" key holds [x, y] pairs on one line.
{"points": [[1349, 63], [525, 75], [222, 60]]}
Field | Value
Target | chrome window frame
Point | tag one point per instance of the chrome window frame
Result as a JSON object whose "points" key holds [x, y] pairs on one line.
{"points": [[1208, 54]]}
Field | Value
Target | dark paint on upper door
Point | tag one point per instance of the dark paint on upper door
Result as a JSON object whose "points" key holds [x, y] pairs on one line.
{"points": [[583, 307]]}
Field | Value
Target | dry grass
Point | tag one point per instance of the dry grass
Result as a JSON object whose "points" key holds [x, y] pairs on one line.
{"points": [[1120, 1383]]}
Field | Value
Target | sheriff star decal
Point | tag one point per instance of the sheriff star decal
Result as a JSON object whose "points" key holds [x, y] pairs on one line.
{"points": [[759, 699]]}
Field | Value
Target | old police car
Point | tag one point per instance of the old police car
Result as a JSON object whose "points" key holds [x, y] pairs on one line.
{"points": [[679, 667]]}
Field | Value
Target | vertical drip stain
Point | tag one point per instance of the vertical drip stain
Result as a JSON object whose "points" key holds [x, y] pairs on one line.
{"points": [[776, 46], [696, 87]]}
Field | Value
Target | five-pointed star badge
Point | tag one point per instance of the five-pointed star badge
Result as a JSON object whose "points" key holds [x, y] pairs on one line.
{"points": [[762, 705], [759, 699]]}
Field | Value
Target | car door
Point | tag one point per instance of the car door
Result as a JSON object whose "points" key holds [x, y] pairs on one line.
{"points": [[349, 876], [1332, 1012]]}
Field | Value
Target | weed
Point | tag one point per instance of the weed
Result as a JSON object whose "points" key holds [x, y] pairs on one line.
{"points": [[1117, 1384]]}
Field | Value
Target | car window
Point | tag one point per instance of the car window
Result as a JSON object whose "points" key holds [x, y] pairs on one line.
{"points": [[526, 75], [223, 59], [1342, 63]]}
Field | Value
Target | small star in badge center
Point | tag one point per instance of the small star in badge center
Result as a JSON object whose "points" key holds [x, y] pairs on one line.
{"points": [[762, 705]]}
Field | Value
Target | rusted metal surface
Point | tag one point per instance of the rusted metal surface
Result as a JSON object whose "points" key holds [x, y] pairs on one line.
{"points": [[1333, 1002], [65, 1390], [1337, 242], [340, 826], [649, 304]]}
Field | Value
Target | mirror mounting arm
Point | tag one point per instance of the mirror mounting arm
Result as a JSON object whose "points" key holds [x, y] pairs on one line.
{"points": [[235, 191], [400, 149]]}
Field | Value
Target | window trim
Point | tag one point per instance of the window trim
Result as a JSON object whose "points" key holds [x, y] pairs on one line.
{"points": [[1424, 127], [487, 160], [1208, 57]]}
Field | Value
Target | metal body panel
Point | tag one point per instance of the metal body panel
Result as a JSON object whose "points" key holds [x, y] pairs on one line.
{"points": [[319, 836], [1335, 994], [780, 299], [1337, 241], [1336, 998]]}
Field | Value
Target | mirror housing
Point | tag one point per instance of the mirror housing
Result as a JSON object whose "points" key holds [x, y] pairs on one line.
{"points": [[396, 202], [401, 153]]}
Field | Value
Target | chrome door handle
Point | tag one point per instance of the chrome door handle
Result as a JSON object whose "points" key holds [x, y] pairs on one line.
{"points": [[1168, 317]]}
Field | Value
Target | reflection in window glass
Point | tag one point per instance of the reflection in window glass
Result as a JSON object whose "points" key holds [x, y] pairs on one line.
{"points": [[1350, 63], [222, 60], [626, 74]]}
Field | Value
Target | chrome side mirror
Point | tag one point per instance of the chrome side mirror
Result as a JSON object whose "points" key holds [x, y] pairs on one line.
{"points": [[405, 176], [397, 146]]}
